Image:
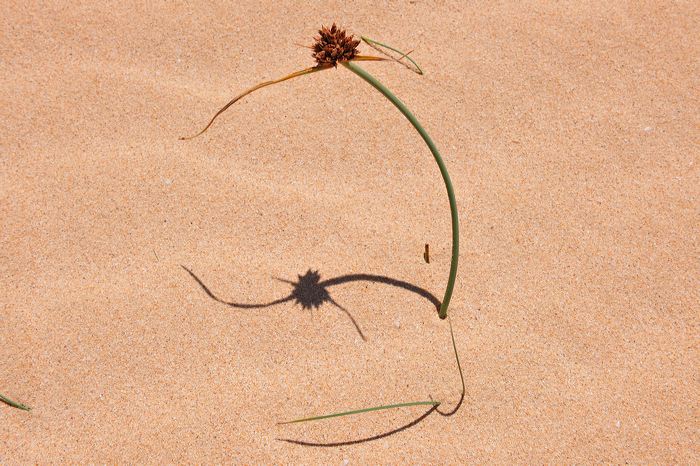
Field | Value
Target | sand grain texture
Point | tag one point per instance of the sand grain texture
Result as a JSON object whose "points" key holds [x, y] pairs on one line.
{"points": [[571, 133]]}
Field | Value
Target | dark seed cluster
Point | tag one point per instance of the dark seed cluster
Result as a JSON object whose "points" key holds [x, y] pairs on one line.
{"points": [[334, 45]]}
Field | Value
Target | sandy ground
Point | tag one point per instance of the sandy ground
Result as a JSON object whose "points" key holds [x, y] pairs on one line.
{"points": [[572, 136]]}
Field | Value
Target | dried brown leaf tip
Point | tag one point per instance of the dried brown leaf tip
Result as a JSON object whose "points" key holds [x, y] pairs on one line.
{"points": [[334, 45]]}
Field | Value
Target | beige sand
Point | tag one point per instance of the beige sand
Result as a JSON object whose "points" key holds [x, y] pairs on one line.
{"points": [[571, 133]]}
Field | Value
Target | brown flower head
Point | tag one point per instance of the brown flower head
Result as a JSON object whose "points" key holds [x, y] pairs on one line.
{"points": [[334, 45]]}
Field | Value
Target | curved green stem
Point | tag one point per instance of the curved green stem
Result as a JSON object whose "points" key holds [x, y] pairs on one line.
{"points": [[443, 171]]}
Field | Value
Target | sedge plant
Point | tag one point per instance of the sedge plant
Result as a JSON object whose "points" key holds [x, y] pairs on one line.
{"points": [[334, 46]]}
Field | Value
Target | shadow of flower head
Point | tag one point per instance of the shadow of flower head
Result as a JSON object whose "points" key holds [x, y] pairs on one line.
{"points": [[308, 291]]}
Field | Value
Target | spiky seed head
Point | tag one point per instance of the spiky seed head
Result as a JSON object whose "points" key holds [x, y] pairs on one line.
{"points": [[333, 45]]}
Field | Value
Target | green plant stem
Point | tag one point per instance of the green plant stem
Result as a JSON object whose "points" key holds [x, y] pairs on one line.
{"points": [[14, 404], [443, 170]]}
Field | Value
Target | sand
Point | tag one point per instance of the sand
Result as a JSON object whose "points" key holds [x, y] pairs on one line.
{"points": [[571, 133]]}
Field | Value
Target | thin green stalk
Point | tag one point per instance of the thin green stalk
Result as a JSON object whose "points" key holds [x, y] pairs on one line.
{"points": [[364, 410], [14, 404], [461, 376], [443, 170]]}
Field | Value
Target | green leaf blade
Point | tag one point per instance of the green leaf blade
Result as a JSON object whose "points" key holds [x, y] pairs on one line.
{"points": [[363, 410]]}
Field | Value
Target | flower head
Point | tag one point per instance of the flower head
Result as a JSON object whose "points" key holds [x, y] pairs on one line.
{"points": [[334, 45]]}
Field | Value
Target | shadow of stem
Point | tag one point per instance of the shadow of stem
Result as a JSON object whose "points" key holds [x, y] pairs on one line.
{"points": [[311, 293], [363, 440]]}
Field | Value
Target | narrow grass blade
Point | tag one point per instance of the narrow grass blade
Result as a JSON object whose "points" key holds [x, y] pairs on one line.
{"points": [[459, 365], [381, 48], [461, 376], [296, 74], [14, 404], [364, 410]]}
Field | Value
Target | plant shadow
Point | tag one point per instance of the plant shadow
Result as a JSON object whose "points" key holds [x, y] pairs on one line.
{"points": [[311, 293], [304, 443]]}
